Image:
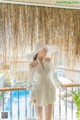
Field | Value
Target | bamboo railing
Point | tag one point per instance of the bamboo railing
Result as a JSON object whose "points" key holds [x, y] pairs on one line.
{"points": [[11, 89], [24, 88], [32, 109]]}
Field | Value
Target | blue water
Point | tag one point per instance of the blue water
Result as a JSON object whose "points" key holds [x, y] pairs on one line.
{"points": [[14, 98]]}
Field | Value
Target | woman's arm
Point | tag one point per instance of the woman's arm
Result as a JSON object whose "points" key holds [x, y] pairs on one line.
{"points": [[31, 78], [54, 79], [57, 83], [31, 74]]}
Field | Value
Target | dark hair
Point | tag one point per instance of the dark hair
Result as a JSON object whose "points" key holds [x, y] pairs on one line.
{"points": [[35, 57]]}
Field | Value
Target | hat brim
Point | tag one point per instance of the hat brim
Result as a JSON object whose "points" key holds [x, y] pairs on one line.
{"points": [[51, 49]]}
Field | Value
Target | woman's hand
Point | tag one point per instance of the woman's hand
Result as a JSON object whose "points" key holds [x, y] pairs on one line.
{"points": [[63, 86], [33, 101]]}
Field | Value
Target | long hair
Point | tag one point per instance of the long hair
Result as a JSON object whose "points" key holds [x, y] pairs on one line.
{"points": [[35, 57]]}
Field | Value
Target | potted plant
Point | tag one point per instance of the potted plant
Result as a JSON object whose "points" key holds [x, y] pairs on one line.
{"points": [[76, 100]]}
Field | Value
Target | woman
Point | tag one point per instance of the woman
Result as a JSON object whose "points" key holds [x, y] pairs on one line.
{"points": [[43, 92]]}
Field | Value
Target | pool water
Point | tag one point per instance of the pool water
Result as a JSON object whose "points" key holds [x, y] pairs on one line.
{"points": [[15, 97], [23, 98]]}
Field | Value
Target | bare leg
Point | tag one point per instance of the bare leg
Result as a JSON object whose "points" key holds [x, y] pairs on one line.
{"points": [[49, 112], [39, 110]]}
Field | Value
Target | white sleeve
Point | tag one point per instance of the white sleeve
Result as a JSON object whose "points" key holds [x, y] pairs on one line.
{"points": [[55, 80], [31, 85], [30, 77]]}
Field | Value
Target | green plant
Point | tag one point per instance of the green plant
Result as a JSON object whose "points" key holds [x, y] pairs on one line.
{"points": [[76, 100]]}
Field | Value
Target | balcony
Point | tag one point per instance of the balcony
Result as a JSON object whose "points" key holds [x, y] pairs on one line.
{"points": [[16, 102]]}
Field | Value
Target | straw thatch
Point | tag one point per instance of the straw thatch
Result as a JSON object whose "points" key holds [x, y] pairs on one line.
{"points": [[22, 26]]}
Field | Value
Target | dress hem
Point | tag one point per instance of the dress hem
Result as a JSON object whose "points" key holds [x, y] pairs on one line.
{"points": [[45, 104]]}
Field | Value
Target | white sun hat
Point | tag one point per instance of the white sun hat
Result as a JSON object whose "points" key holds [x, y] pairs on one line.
{"points": [[39, 46]]}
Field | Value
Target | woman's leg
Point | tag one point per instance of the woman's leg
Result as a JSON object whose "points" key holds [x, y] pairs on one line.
{"points": [[39, 110], [49, 112]]}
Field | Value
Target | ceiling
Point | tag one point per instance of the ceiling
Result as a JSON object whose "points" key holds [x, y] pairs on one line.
{"points": [[52, 3]]}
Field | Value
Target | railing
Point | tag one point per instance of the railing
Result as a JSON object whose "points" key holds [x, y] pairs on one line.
{"points": [[64, 108], [69, 110], [9, 92]]}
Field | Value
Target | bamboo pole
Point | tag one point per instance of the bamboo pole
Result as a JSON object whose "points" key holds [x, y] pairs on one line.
{"points": [[20, 88]]}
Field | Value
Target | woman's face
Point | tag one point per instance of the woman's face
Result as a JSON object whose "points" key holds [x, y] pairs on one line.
{"points": [[43, 52]]}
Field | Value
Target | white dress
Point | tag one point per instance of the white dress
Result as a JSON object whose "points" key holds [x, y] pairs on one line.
{"points": [[44, 90]]}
